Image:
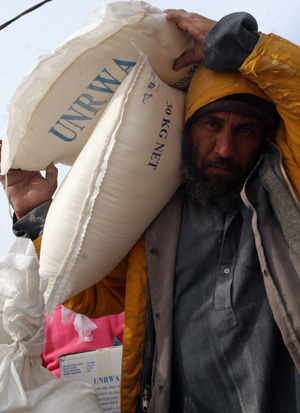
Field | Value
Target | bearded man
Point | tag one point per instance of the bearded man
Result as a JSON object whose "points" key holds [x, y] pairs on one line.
{"points": [[211, 291]]}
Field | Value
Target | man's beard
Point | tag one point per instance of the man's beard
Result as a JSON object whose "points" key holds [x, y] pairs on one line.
{"points": [[211, 190]]}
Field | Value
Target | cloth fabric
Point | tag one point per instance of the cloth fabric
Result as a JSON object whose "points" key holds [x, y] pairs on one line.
{"points": [[245, 104], [32, 225], [225, 339], [224, 52], [200, 92], [62, 338]]}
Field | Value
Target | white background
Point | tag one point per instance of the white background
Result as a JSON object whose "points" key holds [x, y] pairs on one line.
{"points": [[45, 28]]}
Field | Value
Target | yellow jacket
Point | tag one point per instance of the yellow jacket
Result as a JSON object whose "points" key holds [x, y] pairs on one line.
{"points": [[274, 65]]}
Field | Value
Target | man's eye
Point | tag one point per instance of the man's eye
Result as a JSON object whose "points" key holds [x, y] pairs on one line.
{"points": [[246, 130], [212, 123]]}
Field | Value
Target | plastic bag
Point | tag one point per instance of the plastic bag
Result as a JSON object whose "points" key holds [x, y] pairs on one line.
{"points": [[24, 384]]}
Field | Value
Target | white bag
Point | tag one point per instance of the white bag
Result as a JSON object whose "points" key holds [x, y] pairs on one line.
{"points": [[24, 384], [124, 176], [55, 109]]}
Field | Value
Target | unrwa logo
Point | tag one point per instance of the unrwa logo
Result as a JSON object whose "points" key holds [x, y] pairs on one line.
{"points": [[87, 105], [106, 379]]}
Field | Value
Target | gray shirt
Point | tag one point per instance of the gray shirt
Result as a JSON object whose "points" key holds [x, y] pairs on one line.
{"points": [[228, 354]]}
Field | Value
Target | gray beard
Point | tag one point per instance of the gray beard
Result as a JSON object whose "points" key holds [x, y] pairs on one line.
{"points": [[212, 191]]}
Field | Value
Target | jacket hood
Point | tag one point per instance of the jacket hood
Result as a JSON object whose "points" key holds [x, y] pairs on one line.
{"points": [[207, 86]]}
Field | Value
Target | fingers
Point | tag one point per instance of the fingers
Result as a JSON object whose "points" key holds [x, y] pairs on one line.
{"points": [[0, 152], [51, 169], [2, 180], [186, 59], [174, 10], [197, 26], [175, 15], [51, 175], [2, 177], [178, 17]]}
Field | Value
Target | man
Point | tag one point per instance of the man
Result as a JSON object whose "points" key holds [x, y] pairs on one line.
{"points": [[210, 291]]}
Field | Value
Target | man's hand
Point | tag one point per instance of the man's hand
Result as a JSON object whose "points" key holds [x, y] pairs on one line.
{"points": [[198, 27], [27, 190]]}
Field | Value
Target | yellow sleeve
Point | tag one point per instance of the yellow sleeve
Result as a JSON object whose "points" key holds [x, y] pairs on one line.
{"points": [[274, 65], [108, 296], [37, 245], [104, 298]]}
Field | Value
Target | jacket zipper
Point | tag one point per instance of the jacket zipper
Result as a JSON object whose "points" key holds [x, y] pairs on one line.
{"points": [[145, 402]]}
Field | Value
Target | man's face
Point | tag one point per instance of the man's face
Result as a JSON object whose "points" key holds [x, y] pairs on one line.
{"points": [[218, 152], [227, 145]]}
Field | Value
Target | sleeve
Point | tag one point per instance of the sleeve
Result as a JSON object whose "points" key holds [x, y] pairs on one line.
{"points": [[274, 65], [107, 297], [230, 41], [32, 225]]}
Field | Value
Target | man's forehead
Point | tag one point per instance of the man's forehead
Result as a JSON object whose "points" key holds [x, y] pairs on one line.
{"points": [[244, 104], [224, 116]]}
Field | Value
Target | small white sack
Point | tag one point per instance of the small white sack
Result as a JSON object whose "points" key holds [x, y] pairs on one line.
{"points": [[56, 107], [124, 176], [24, 384]]}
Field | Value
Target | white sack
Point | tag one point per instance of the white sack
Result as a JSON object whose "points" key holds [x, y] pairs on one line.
{"points": [[125, 174], [56, 107], [24, 384]]}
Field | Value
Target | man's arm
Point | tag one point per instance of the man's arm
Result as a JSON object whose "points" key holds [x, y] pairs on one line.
{"points": [[32, 224], [221, 45], [268, 60], [198, 27], [29, 194]]}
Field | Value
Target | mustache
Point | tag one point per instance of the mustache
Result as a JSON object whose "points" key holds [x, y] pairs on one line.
{"points": [[219, 161]]}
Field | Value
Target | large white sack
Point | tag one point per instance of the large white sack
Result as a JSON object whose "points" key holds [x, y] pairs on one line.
{"points": [[24, 384], [125, 174], [56, 107]]}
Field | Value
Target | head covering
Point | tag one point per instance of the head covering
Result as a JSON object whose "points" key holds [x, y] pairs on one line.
{"points": [[228, 91]]}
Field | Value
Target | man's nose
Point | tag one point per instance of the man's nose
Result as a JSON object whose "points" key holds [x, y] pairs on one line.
{"points": [[225, 144]]}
